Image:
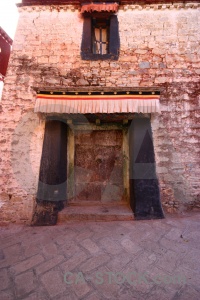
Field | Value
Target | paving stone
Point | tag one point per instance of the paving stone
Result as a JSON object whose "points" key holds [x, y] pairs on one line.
{"points": [[111, 246], [68, 294], [74, 261], [192, 239], [24, 284], [157, 275], [130, 246], [99, 227], [41, 291], [172, 291], [181, 244], [143, 260], [36, 296], [49, 250], [47, 265], [4, 279], [90, 246], [142, 284], [151, 246], [175, 222], [94, 262], [105, 283], [118, 262], [75, 226], [145, 248], [129, 294], [192, 276], [190, 260], [2, 256], [157, 293], [6, 263], [54, 283], [8, 242], [6, 295], [12, 254], [64, 238], [80, 289], [31, 250], [129, 226], [69, 249], [119, 233], [150, 235], [174, 234], [169, 261], [36, 238], [169, 282], [137, 280], [145, 233], [84, 235], [188, 292], [27, 264], [94, 296], [137, 236], [100, 235]]}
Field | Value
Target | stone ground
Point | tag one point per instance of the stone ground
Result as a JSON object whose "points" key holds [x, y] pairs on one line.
{"points": [[157, 259]]}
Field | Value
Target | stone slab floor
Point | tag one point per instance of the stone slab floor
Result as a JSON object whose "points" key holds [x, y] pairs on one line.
{"points": [[156, 259]]}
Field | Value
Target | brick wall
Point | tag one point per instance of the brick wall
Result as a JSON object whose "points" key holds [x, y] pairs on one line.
{"points": [[159, 47]]}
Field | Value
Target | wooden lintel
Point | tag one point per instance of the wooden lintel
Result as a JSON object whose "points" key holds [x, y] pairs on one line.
{"points": [[98, 121]]}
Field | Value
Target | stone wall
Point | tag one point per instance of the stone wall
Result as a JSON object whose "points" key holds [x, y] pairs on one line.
{"points": [[159, 48]]}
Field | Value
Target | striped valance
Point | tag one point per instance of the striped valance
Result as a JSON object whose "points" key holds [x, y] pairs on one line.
{"points": [[97, 102]]}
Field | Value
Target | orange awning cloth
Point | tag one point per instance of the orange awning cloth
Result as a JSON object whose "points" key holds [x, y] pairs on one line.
{"points": [[97, 102], [99, 7]]}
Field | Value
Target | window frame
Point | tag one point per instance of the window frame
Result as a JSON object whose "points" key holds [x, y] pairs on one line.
{"points": [[99, 23], [114, 41]]}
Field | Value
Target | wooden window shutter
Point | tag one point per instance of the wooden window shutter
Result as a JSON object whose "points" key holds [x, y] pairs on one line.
{"points": [[86, 45], [114, 43]]}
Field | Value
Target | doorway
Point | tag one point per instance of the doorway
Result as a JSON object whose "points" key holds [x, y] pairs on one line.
{"points": [[104, 164], [100, 174]]}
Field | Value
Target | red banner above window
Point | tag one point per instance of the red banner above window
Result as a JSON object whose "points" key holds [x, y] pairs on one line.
{"points": [[103, 7]]}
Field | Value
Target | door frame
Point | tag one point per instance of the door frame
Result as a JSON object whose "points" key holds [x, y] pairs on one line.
{"points": [[71, 154]]}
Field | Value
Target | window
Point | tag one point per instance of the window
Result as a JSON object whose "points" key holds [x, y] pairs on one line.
{"points": [[100, 36], [100, 39]]}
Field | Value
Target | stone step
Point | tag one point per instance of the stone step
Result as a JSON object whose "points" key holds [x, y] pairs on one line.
{"points": [[99, 212]]}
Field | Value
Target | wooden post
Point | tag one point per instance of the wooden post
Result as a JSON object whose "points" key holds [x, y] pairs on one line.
{"points": [[52, 186], [144, 187]]}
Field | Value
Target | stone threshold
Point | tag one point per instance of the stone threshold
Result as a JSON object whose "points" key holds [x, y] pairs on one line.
{"points": [[101, 212]]}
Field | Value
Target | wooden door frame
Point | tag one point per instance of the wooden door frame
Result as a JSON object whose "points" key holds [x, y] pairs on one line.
{"points": [[71, 154]]}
